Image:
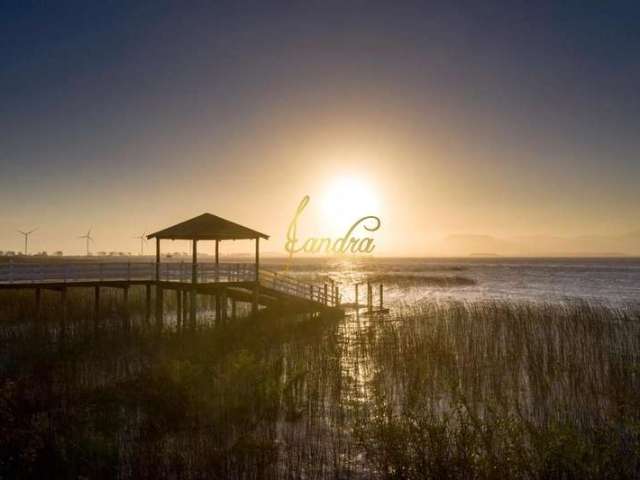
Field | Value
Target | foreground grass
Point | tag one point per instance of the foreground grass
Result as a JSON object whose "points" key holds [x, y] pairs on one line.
{"points": [[504, 391], [448, 391]]}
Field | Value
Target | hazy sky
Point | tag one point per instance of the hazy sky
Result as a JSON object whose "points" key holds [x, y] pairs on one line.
{"points": [[519, 118]]}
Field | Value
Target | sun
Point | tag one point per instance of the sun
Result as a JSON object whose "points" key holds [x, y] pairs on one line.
{"points": [[347, 199]]}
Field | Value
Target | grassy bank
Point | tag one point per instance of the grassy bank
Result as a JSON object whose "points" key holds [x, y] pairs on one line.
{"points": [[448, 391]]}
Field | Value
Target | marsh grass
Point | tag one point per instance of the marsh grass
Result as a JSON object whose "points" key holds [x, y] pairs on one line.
{"points": [[504, 391], [491, 390]]}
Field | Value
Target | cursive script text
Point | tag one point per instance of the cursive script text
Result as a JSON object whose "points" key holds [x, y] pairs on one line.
{"points": [[348, 243]]}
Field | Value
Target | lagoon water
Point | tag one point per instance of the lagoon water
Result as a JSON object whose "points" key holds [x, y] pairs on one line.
{"points": [[611, 281]]}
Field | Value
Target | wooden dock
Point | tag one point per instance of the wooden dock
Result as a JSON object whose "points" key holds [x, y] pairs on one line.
{"points": [[229, 283]]}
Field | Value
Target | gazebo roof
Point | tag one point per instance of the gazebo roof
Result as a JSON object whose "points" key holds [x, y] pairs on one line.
{"points": [[207, 227]]}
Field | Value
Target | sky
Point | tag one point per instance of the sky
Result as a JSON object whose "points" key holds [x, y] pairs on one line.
{"points": [[509, 120]]}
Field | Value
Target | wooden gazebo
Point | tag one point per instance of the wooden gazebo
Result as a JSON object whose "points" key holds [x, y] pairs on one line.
{"points": [[201, 228], [208, 227]]}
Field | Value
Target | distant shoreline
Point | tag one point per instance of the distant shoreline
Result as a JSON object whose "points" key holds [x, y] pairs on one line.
{"points": [[269, 259]]}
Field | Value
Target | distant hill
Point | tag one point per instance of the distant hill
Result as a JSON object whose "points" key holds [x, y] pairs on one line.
{"points": [[627, 244]]}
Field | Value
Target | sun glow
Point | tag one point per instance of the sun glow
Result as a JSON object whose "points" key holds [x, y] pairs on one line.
{"points": [[346, 200]]}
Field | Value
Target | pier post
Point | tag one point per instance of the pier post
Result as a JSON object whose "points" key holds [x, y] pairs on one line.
{"points": [[178, 309], [193, 298], [147, 292], [256, 294], [159, 307], [96, 308], [356, 300], [63, 316], [185, 308], [325, 294], [96, 300], [222, 308], [38, 300], [381, 297], [125, 301]]}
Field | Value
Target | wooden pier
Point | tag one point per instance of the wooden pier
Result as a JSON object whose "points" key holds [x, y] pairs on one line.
{"points": [[229, 283]]}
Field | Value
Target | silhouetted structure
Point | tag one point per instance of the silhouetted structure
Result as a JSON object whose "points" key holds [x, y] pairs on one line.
{"points": [[208, 227], [227, 282]]}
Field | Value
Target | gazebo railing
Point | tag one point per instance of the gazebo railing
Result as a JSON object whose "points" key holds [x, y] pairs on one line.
{"points": [[223, 272]]}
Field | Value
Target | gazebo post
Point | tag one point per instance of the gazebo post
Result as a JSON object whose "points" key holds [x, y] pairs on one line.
{"points": [[256, 288], [194, 281], [179, 309], [257, 259], [159, 299], [217, 277], [157, 259]]}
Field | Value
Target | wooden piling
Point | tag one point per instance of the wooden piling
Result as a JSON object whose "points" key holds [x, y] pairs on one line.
{"points": [[381, 298], [185, 308], [193, 298], [256, 295], [147, 289], [222, 308], [125, 300], [63, 316], [356, 300], [38, 293], [159, 307], [179, 309], [96, 309], [96, 301]]}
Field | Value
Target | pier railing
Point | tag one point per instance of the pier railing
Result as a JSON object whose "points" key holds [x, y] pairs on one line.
{"points": [[323, 293], [123, 271]]}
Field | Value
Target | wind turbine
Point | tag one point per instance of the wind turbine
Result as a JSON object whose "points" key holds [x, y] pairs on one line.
{"points": [[88, 238], [143, 239], [26, 239]]}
